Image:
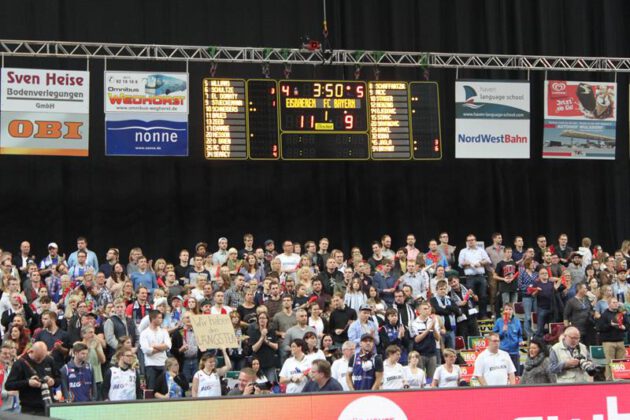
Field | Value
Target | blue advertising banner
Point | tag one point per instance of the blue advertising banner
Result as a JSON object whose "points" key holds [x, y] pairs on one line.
{"points": [[139, 134], [146, 114]]}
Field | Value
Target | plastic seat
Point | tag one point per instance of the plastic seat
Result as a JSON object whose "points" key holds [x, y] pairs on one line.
{"points": [[460, 344]]}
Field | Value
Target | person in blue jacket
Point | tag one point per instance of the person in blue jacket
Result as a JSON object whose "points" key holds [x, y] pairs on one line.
{"points": [[509, 329]]}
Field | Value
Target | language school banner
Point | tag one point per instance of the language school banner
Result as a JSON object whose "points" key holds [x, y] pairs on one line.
{"points": [[492, 120], [560, 402], [580, 120], [146, 114], [44, 112]]}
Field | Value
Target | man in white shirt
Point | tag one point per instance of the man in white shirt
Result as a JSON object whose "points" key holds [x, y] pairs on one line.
{"points": [[339, 369], [154, 342], [474, 261], [494, 367], [288, 258], [219, 308]]}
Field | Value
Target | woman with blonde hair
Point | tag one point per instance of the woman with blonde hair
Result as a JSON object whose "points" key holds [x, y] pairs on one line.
{"points": [[413, 373], [170, 384], [448, 374], [233, 263], [305, 278], [126, 293]]}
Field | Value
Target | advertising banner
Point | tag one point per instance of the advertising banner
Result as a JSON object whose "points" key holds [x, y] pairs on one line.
{"points": [[492, 120], [587, 401], [580, 120], [44, 112], [146, 114]]}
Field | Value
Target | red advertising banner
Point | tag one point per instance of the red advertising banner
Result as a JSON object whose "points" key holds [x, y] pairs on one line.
{"points": [[557, 402], [620, 370]]}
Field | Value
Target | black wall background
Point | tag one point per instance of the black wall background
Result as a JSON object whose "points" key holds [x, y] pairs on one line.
{"points": [[163, 204]]}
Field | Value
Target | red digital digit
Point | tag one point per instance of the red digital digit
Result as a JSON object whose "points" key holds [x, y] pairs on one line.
{"points": [[349, 121], [272, 91], [301, 121], [286, 90], [360, 91], [312, 121]]}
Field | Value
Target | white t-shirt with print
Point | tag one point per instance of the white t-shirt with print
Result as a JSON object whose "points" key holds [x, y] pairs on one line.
{"points": [[494, 367]]}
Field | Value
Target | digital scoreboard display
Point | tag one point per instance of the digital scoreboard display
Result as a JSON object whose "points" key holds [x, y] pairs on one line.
{"points": [[264, 119], [225, 120]]}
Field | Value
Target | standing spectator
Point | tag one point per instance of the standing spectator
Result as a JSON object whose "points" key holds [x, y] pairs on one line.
{"points": [[419, 281], [506, 275], [575, 268], [448, 374], [248, 246], [365, 367], [92, 260], [340, 319], [566, 356], [425, 333], [377, 256], [446, 249], [448, 311], [207, 380], [96, 356], [264, 342], [321, 379], [297, 331], [547, 301], [536, 369], [340, 366], [29, 375], [494, 366], [385, 282], [122, 382], [394, 333], [77, 377], [527, 275], [274, 303], [144, 277], [295, 369], [509, 329], [185, 349], [393, 372], [154, 342], [117, 326], [10, 400], [47, 264], [221, 256], [332, 279], [474, 260], [111, 259], [563, 250], [412, 251], [613, 328], [578, 312], [57, 341], [363, 325], [355, 297]]}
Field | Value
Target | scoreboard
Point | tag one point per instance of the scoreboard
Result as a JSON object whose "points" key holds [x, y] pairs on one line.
{"points": [[264, 119]]}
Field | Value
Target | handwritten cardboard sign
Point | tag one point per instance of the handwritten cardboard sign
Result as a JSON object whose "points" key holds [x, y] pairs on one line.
{"points": [[213, 331]]}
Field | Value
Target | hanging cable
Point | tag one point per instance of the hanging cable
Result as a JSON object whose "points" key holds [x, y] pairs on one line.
{"points": [[327, 51], [287, 70], [265, 70], [213, 69]]}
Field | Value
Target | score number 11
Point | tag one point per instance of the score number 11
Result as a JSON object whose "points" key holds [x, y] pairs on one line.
{"points": [[309, 121]]}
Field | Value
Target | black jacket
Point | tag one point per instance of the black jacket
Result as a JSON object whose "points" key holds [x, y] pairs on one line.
{"points": [[20, 374], [608, 332]]}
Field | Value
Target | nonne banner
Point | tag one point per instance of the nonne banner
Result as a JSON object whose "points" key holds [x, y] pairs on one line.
{"points": [[44, 112], [586, 402], [146, 114], [492, 119], [580, 120]]}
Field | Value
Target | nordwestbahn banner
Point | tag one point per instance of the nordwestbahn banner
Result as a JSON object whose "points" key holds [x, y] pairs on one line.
{"points": [[580, 120], [44, 112], [492, 119], [560, 402], [146, 114]]}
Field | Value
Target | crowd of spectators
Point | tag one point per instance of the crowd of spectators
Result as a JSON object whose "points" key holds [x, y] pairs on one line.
{"points": [[308, 318]]}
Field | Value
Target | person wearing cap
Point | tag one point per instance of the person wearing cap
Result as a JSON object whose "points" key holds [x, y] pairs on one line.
{"points": [[365, 367], [92, 259], [201, 249], [363, 325], [575, 268], [52, 259], [221, 256]]}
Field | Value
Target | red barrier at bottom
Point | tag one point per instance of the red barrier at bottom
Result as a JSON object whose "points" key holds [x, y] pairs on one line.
{"points": [[561, 402]]}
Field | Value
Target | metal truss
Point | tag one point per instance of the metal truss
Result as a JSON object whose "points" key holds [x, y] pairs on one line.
{"points": [[288, 56]]}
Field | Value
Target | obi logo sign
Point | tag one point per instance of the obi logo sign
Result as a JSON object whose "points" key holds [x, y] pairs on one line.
{"points": [[70, 130]]}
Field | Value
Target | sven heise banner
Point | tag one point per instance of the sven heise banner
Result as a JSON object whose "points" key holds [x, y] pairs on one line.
{"points": [[492, 119], [146, 114], [45, 112]]}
